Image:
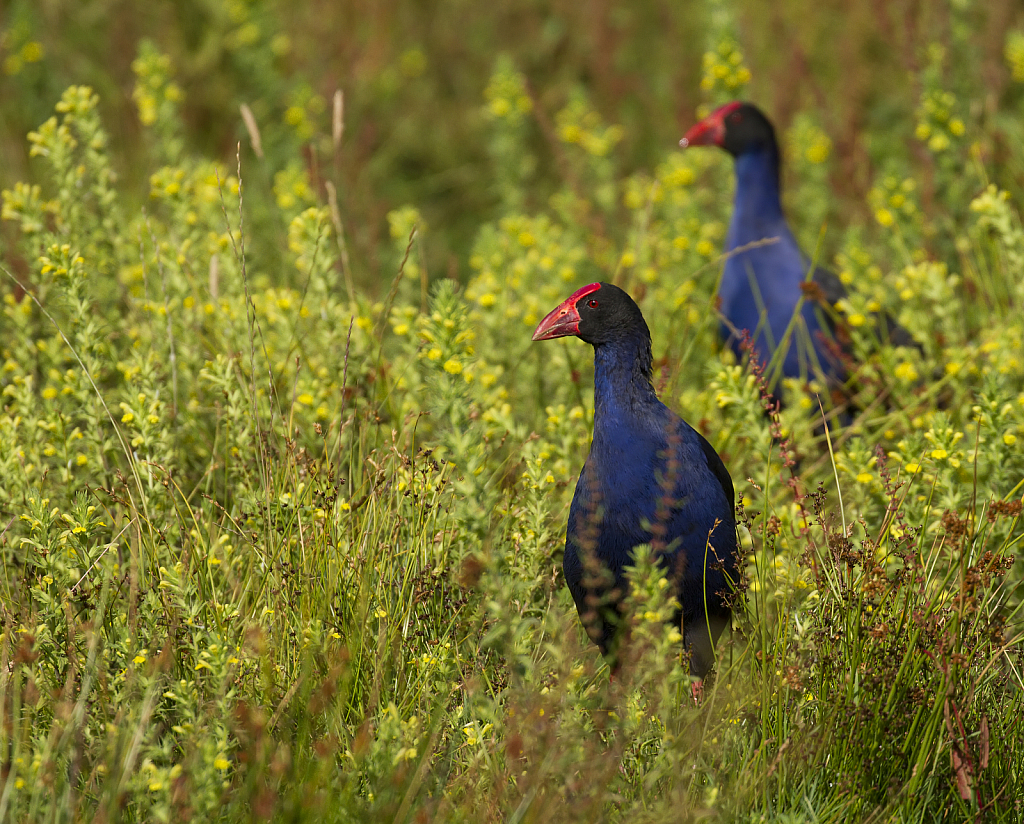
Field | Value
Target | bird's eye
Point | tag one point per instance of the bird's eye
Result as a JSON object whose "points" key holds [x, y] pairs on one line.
{"points": [[592, 303], [736, 117]]}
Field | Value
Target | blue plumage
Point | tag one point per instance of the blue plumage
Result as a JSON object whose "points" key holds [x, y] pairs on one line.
{"points": [[763, 286], [649, 478], [771, 277]]}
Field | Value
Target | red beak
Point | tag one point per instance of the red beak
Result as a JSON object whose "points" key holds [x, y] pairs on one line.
{"points": [[561, 321], [711, 130], [564, 319]]}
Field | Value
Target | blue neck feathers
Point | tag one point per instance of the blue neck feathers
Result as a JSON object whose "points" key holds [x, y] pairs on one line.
{"points": [[623, 393], [757, 186]]}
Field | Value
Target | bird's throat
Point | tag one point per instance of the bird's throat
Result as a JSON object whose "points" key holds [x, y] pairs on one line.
{"points": [[758, 194], [622, 382]]}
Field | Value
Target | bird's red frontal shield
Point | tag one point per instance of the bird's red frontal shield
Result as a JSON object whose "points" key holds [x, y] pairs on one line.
{"points": [[564, 319], [711, 130]]}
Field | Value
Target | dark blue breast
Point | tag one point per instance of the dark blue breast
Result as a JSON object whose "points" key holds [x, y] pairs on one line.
{"points": [[617, 501]]}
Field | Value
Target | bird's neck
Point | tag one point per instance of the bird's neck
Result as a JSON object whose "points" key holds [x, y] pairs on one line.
{"points": [[757, 185], [622, 383]]}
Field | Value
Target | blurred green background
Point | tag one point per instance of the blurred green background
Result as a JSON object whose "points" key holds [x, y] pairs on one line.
{"points": [[414, 75], [308, 482]]}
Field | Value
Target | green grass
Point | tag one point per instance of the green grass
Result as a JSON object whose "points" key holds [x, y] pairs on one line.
{"points": [[282, 509]]}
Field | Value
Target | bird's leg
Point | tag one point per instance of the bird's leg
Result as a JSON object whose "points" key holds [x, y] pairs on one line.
{"points": [[697, 688]]}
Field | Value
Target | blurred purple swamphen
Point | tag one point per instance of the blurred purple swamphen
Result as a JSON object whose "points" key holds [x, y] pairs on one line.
{"points": [[762, 286]]}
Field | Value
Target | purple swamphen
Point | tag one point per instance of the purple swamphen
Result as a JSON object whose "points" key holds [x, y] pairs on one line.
{"points": [[649, 478], [762, 286]]}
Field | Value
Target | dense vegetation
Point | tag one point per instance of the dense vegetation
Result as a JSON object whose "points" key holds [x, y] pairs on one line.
{"points": [[283, 482]]}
